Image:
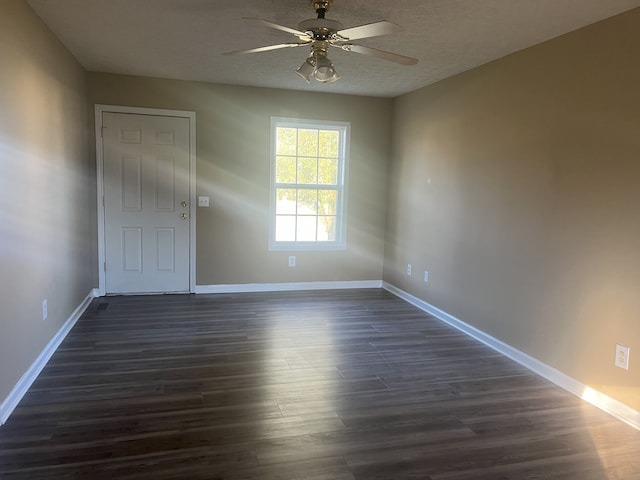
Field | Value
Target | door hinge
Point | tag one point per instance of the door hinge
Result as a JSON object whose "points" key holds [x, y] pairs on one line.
{"points": [[102, 131], [104, 266]]}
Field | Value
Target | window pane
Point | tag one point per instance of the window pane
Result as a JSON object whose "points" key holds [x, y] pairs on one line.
{"points": [[327, 202], [285, 228], [329, 143], [307, 202], [327, 171], [286, 141], [285, 170], [308, 170], [327, 229], [306, 231], [308, 143], [285, 201]]}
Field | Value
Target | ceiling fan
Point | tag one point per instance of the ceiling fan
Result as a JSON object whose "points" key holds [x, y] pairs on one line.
{"points": [[321, 33]]}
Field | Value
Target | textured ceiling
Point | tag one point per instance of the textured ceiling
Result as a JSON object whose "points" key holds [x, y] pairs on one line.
{"points": [[184, 39]]}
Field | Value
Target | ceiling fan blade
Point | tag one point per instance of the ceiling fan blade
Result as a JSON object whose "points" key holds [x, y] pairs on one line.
{"points": [[269, 24], [267, 48], [370, 30], [374, 52]]}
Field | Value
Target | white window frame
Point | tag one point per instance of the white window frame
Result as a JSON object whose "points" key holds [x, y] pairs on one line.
{"points": [[340, 242]]}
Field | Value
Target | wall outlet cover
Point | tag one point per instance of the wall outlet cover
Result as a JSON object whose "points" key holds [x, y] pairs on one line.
{"points": [[622, 356]]}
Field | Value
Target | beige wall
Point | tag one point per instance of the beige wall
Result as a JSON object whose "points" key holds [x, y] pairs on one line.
{"points": [[517, 186], [46, 189], [233, 126]]}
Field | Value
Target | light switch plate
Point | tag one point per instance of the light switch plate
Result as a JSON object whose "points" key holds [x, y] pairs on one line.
{"points": [[203, 201]]}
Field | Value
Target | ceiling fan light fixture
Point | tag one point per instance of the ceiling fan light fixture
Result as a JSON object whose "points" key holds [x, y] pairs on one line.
{"points": [[324, 71], [307, 69], [326, 74]]}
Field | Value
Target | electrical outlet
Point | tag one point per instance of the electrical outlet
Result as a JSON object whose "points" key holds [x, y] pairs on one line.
{"points": [[426, 276], [292, 260], [409, 269], [45, 313], [622, 356]]}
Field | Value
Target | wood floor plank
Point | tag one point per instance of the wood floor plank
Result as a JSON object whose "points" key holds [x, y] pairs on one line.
{"points": [[329, 385]]}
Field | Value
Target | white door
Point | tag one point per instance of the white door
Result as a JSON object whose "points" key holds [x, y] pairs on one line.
{"points": [[146, 203]]}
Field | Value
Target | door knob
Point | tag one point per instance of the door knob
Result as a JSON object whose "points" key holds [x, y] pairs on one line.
{"points": [[184, 204], [184, 216]]}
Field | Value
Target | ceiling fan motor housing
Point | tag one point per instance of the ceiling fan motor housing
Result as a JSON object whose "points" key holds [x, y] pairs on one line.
{"points": [[320, 28]]}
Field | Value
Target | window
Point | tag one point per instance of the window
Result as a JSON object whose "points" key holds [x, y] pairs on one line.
{"points": [[308, 169]]}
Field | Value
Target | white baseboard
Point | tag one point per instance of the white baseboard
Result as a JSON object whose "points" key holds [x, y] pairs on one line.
{"points": [[610, 405], [12, 400], [287, 287]]}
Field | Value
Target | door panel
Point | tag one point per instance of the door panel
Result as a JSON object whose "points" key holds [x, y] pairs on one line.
{"points": [[131, 168], [146, 200], [165, 248]]}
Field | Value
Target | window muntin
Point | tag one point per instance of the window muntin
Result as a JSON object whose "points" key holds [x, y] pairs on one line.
{"points": [[308, 170]]}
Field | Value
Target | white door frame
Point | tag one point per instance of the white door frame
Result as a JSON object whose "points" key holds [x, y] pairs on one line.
{"points": [[191, 116]]}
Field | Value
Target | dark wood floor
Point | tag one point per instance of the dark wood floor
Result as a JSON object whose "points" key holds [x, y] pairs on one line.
{"points": [[336, 385]]}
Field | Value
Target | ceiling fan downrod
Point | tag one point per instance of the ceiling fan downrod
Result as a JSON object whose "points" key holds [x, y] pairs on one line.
{"points": [[321, 7]]}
